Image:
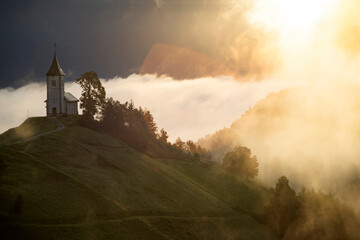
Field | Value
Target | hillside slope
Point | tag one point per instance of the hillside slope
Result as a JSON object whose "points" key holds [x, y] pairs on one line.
{"points": [[310, 134], [28, 129], [80, 184]]}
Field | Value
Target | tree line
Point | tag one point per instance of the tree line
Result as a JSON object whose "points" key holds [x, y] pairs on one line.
{"points": [[307, 215], [135, 126]]}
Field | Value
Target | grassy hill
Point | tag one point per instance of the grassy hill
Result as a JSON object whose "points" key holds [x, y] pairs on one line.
{"points": [[28, 129], [81, 184]]}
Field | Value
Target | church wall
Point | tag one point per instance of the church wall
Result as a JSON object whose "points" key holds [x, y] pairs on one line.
{"points": [[55, 95], [71, 108]]}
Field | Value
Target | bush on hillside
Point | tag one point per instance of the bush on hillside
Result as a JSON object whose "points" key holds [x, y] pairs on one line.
{"points": [[240, 162], [197, 152]]}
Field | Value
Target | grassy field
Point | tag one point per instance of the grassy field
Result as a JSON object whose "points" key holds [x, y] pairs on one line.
{"points": [[81, 184], [31, 127]]}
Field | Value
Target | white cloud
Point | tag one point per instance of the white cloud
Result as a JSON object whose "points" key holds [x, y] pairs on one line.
{"points": [[189, 109]]}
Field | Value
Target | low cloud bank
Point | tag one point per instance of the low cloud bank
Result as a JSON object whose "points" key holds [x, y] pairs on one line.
{"points": [[189, 109]]}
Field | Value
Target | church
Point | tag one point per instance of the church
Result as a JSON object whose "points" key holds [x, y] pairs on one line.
{"points": [[58, 102]]}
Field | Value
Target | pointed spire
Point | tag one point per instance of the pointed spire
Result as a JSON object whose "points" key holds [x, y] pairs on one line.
{"points": [[55, 69]]}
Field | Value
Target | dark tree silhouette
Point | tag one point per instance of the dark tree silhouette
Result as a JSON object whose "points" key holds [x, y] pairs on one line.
{"points": [[113, 115], [93, 94], [191, 147], [163, 136], [283, 207], [127, 123], [149, 119], [240, 162]]}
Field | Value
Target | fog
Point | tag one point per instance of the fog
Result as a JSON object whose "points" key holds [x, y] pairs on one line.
{"points": [[309, 134], [188, 109]]}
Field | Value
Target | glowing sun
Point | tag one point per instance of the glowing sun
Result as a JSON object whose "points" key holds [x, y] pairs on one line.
{"points": [[290, 17]]}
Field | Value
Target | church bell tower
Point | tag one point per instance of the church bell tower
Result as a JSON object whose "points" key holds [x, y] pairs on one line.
{"points": [[55, 105]]}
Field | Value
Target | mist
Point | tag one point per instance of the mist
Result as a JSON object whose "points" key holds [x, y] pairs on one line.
{"points": [[188, 109], [310, 134]]}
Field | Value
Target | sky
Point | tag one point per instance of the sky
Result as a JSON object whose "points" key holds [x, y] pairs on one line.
{"points": [[111, 37], [251, 40]]}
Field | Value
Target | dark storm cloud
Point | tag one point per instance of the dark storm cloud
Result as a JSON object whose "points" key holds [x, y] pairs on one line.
{"points": [[114, 37], [97, 35]]}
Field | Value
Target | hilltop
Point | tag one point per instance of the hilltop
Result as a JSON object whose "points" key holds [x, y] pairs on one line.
{"points": [[77, 183]]}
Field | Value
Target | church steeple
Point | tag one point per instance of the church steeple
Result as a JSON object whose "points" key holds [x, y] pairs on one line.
{"points": [[55, 69]]}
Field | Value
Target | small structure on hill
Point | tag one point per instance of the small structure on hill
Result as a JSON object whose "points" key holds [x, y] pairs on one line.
{"points": [[58, 102]]}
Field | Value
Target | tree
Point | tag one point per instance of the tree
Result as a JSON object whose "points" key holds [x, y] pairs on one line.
{"points": [[163, 136], [307, 215], [179, 143], [240, 162], [191, 147], [149, 119], [282, 208], [200, 150], [112, 116], [93, 94]]}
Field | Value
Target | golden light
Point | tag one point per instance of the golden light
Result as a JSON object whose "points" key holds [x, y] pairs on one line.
{"points": [[291, 17]]}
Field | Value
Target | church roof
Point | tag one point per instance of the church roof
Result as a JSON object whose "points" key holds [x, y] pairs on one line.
{"points": [[55, 69], [70, 98]]}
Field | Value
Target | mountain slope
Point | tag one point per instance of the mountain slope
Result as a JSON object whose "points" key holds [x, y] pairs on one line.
{"points": [[81, 184], [310, 134]]}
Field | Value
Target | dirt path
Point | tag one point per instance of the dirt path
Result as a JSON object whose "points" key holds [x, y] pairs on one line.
{"points": [[60, 127]]}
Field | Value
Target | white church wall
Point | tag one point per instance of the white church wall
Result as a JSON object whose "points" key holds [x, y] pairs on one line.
{"points": [[55, 95], [71, 108]]}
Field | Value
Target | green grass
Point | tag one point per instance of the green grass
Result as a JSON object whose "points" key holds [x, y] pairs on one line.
{"points": [[81, 184], [31, 127], [242, 227], [69, 120]]}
